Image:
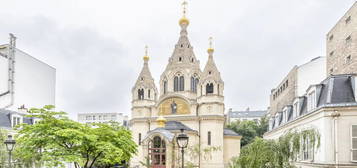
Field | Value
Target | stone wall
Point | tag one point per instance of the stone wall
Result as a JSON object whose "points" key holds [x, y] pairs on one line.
{"points": [[341, 45]]}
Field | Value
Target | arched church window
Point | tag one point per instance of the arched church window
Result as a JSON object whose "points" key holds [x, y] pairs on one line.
{"points": [[165, 87], [182, 83], [180, 59], [181, 45], [149, 93], [194, 83], [209, 138], [141, 94], [176, 84], [192, 60], [209, 88]]}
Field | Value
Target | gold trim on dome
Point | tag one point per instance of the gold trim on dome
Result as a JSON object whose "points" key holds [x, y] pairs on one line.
{"points": [[174, 106], [146, 57]]}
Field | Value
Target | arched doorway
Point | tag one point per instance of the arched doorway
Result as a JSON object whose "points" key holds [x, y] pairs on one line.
{"points": [[157, 152]]}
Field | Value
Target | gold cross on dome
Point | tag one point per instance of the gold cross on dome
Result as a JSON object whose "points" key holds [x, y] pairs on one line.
{"points": [[184, 5], [210, 39], [146, 50]]}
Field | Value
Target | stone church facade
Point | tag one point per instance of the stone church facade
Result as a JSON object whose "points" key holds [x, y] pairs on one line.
{"points": [[187, 99]]}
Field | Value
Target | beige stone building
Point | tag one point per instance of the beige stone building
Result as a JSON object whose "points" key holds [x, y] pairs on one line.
{"points": [[341, 44], [295, 83], [328, 106], [188, 99]]}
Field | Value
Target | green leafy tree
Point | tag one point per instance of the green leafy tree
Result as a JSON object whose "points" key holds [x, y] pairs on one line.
{"points": [[55, 139], [279, 153], [3, 151], [249, 129]]}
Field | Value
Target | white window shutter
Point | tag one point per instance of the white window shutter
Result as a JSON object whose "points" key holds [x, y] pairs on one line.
{"points": [[354, 143]]}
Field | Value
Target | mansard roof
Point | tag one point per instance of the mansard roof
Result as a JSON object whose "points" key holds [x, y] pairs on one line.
{"points": [[335, 90], [5, 120]]}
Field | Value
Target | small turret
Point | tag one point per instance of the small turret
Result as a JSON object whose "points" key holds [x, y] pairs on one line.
{"points": [[211, 97], [144, 92], [211, 83]]}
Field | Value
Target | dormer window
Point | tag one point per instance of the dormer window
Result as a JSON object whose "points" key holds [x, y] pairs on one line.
{"points": [[311, 101], [16, 120]]}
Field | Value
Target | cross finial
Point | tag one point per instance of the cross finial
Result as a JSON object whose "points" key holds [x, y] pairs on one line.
{"points": [[210, 39], [184, 5], [146, 50]]}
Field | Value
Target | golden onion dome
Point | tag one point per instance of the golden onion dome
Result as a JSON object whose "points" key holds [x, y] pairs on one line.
{"points": [[184, 21], [210, 50], [161, 121], [146, 58]]}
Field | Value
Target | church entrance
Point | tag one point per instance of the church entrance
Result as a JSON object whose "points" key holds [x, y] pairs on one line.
{"points": [[157, 153]]}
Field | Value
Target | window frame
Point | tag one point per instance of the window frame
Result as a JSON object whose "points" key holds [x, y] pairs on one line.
{"points": [[353, 137]]}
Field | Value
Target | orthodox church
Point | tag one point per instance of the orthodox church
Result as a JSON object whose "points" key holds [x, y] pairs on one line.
{"points": [[188, 100]]}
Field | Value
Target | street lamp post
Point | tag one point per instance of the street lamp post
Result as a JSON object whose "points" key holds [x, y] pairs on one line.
{"points": [[10, 143], [182, 141]]}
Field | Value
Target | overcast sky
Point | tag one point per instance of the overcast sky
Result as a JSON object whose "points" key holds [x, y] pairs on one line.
{"points": [[97, 46]]}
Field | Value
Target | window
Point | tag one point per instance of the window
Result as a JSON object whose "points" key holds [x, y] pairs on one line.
{"points": [[176, 83], [165, 87], [16, 121], [180, 59], [354, 143], [139, 139], [348, 39], [218, 89], [94, 117], [210, 72], [113, 117], [209, 88], [192, 60], [194, 83], [141, 94], [182, 83], [100, 117], [348, 20], [209, 138], [331, 70], [311, 101], [296, 110], [330, 37], [331, 53], [306, 149], [149, 93], [348, 59]]}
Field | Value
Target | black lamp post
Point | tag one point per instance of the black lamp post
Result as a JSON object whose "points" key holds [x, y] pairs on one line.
{"points": [[10, 143], [182, 141]]}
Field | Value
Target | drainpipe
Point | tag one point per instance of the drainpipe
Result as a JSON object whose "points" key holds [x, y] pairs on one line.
{"points": [[199, 137], [335, 116], [11, 55]]}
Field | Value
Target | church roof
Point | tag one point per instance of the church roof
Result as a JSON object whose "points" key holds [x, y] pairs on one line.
{"points": [[229, 132], [176, 125]]}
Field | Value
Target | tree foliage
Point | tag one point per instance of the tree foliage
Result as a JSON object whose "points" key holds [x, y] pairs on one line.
{"points": [[279, 153], [249, 129], [55, 140]]}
